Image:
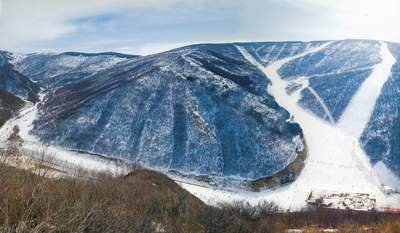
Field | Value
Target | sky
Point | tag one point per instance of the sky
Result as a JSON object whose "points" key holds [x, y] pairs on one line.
{"points": [[151, 26]]}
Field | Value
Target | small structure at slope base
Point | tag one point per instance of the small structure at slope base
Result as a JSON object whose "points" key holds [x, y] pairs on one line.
{"points": [[342, 201]]}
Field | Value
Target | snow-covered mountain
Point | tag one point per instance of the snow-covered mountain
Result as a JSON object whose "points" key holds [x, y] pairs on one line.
{"points": [[200, 109], [330, 79], [13, 81], [15, 89], [238, 110], [53, 70], [381, 138]]}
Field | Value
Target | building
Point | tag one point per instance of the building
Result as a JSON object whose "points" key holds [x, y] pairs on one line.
{"points": [[387, 189], [342, 201]]}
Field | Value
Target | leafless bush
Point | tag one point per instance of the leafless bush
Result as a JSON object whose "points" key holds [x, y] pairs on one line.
{"points": [[12, 152], [243, 209], [146, 201], [142, 201]]}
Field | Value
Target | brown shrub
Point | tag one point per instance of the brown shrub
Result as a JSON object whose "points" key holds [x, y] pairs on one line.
{"points": [[147, 201]]}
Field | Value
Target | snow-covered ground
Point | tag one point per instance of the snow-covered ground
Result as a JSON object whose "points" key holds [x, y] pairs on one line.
{"points": [[66, 160], [335, 160]]}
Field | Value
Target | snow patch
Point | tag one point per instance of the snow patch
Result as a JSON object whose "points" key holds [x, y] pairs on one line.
{"points": [[386, 176]]}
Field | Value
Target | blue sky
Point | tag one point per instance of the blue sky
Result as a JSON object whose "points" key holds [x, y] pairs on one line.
{"points": [[150, 26]]}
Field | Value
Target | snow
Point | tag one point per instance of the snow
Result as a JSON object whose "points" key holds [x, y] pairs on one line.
{"points": [[327, 145], [23, 121], [358, 112], [66, 63], [71, 161], [335, 160], [319, 99], [16, 58], [42, 66], [305, 84], [386, 176]]}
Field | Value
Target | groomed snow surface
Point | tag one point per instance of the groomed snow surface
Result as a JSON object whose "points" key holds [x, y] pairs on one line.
{"points": [[335, 160]]}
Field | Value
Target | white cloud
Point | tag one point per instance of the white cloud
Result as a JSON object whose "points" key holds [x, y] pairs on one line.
{"points": [[24, 21], [371, 19], [152, 48]]}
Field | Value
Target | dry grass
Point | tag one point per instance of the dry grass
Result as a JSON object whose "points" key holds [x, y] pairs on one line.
{"points": [[134, 203], [147, 201]]}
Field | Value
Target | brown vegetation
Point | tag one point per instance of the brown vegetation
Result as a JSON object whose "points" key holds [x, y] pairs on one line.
{"points": [[139, 202], [9, 106], [147, 201]]}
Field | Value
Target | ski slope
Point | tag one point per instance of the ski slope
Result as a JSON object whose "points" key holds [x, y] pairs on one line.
{"points": [[330, 151], [335, 161], [326, 109], [358, 112]]}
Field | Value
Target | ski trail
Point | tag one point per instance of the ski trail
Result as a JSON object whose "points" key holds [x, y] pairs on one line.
{"points": [[322, 103], [278, 87], [358, 112], [305, 84]]}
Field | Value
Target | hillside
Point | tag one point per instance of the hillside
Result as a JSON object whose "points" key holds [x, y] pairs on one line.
{"points": [[14, 82], [55, 70], [15, 89], [198, 110]]}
